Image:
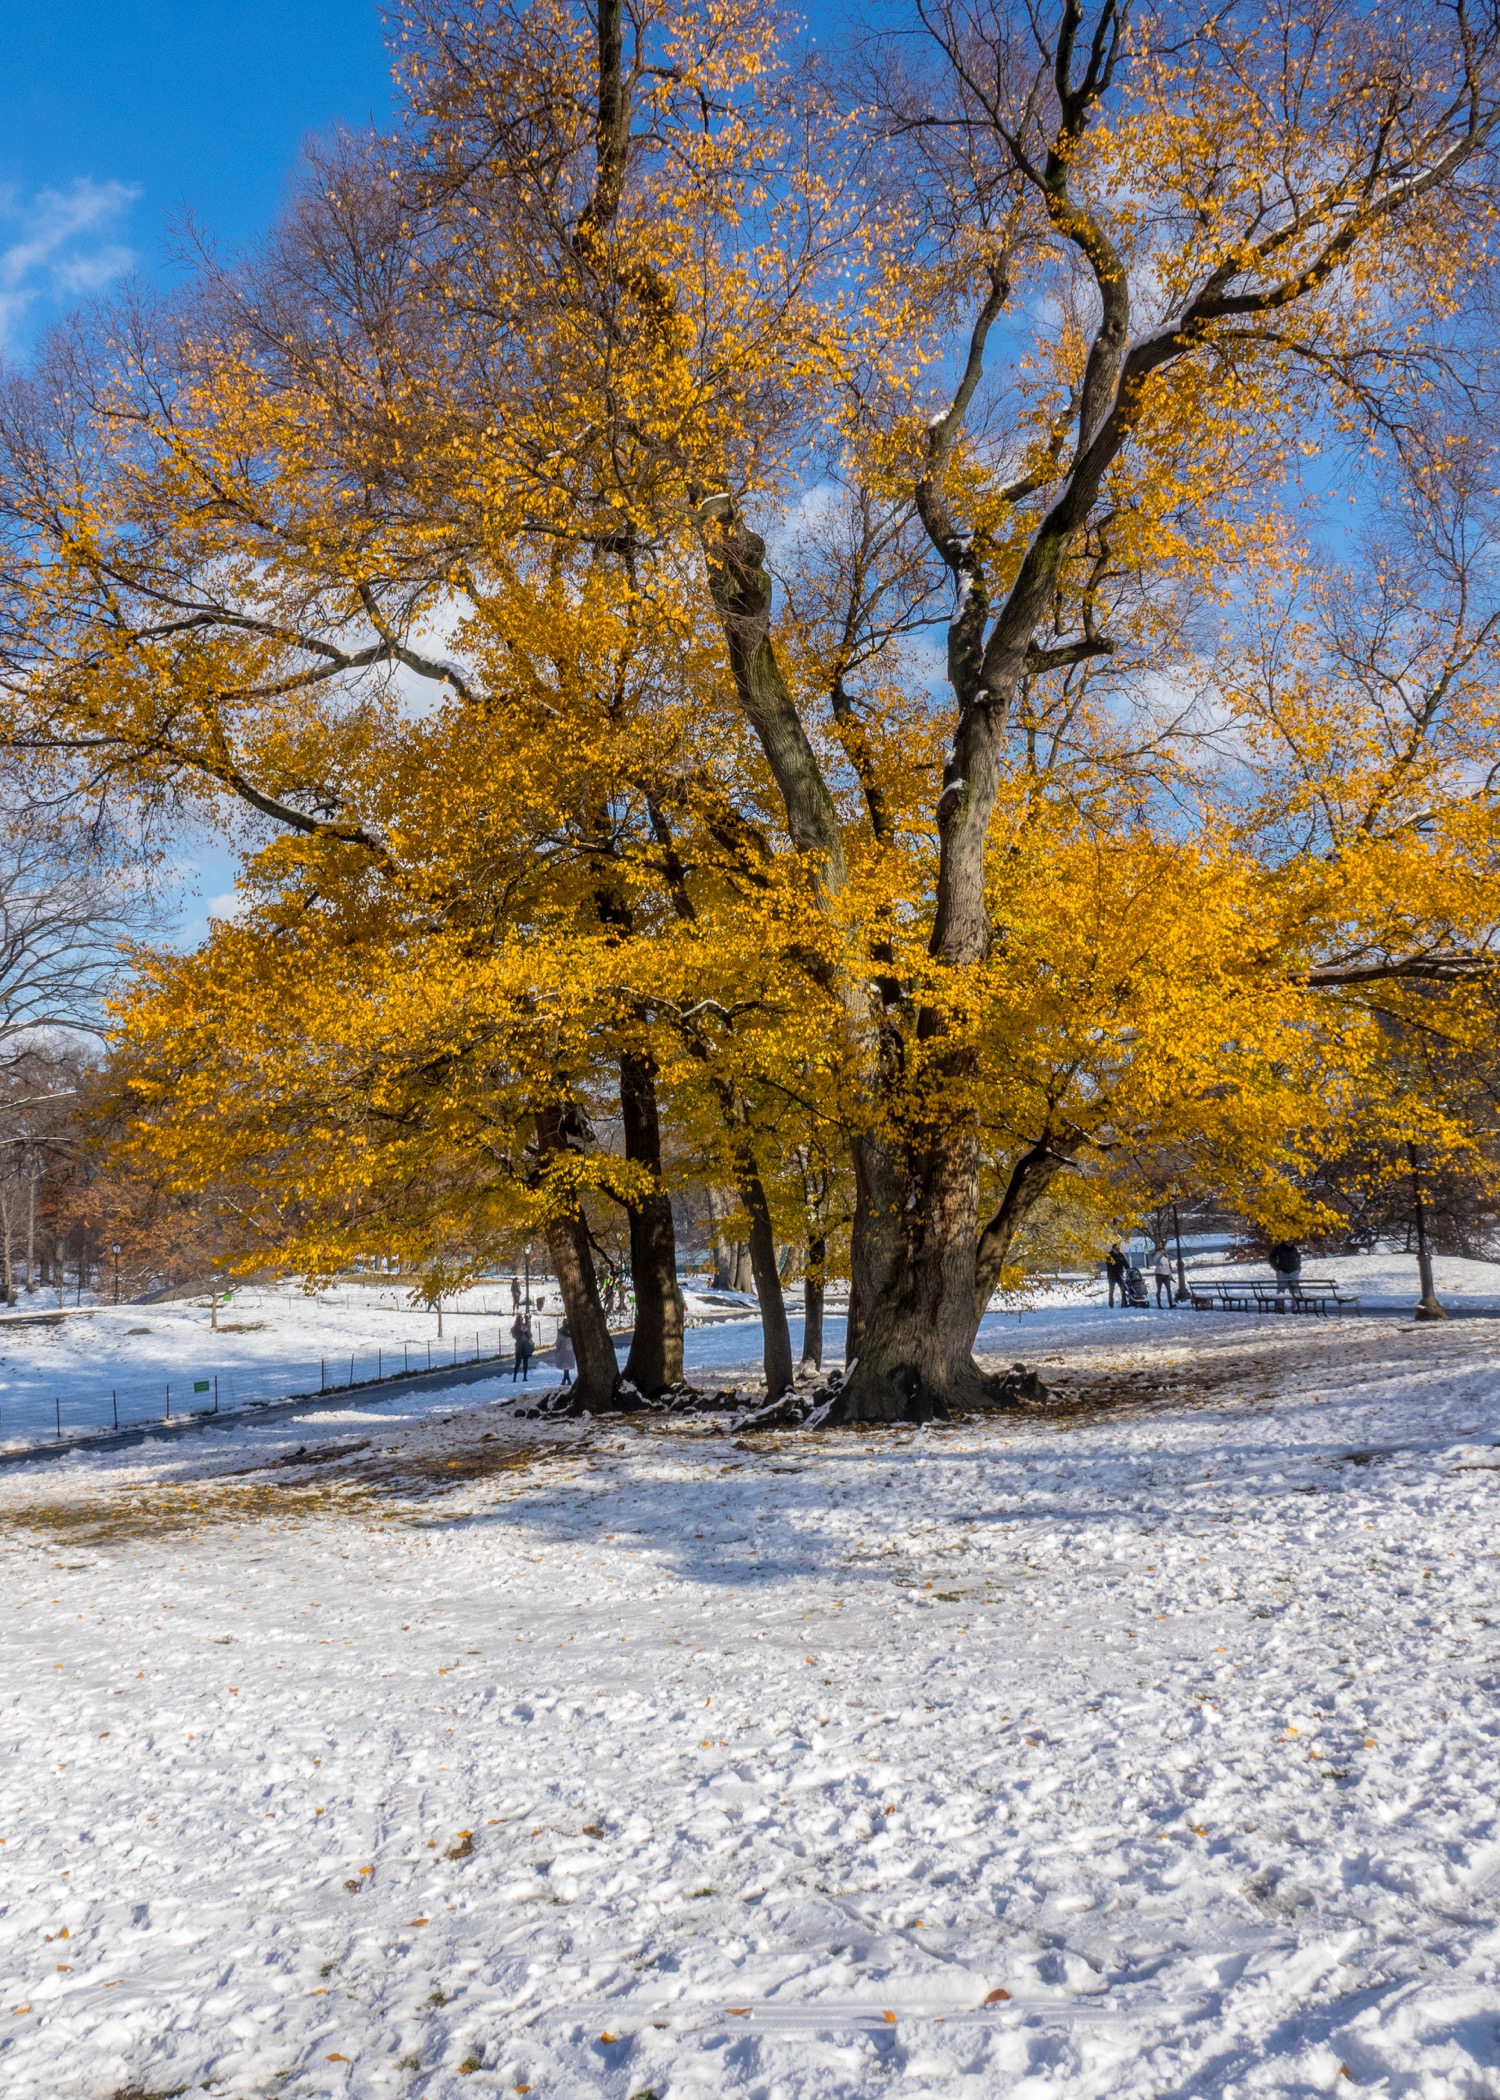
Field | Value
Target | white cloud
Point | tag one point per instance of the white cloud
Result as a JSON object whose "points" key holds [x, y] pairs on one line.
{"points": [[62, 245]]}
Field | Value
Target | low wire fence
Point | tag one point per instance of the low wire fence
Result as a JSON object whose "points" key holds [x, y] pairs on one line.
{"points": [[38, 1416]]}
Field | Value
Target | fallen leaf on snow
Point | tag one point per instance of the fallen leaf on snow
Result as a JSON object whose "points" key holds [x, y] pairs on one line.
{"points": [[996, 1997]]}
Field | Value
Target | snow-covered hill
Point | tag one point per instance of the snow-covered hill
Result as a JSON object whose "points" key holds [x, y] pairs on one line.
{"points": [[1144, 1749]]}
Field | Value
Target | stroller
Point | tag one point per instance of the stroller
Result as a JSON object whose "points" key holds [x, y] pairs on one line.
{"points": [[1135, 1288]]}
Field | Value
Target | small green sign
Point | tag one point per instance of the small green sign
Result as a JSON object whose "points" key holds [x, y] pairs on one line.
{"points": [[200, 1385]]}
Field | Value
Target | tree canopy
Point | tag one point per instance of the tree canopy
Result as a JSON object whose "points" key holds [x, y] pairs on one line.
{"points": [[785, 617]]}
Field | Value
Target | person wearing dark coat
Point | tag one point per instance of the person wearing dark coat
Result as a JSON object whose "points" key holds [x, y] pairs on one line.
{"points": [[521, 1335], [1117, 1270], [1286, 1260]]}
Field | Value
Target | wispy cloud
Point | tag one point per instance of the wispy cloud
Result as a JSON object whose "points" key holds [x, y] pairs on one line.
{"points": [[59, 245]]}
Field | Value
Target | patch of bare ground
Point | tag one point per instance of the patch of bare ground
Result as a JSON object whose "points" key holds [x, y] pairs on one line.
{"points": [[123, 1516], [424, 1473], [344, 1482]]}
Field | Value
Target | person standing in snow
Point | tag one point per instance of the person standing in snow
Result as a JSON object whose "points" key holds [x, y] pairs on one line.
{"points": [[563, 1355], [1116, 1268], [1286, 1260], [1163, 1278], [520, 1329]]}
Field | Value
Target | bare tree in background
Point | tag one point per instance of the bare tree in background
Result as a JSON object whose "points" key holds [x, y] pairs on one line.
{"points": [[41, 1133], [66, 908], [70, 901]]}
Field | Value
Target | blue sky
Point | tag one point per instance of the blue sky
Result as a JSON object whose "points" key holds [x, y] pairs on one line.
{"points": [[116, 115]]}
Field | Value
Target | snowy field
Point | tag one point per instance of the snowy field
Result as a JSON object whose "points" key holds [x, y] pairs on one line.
{"points": [[107, 1366], [1142, 1745], [140, 1362], [132, 1364]]}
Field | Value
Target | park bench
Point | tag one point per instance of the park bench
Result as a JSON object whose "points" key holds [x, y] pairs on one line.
{"points": [[1304, 1294], [1319, 1295], [1316, 1294], [1222, 1297]]}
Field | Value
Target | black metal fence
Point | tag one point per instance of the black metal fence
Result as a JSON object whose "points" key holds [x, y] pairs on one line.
{"points": [[29, 1418]]}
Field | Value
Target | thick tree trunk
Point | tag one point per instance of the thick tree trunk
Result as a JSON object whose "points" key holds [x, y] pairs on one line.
{"points": [[926, 1273], [573, 1266], [561, 1130], [916, 1238], [814, 1283], [655, 1358]]}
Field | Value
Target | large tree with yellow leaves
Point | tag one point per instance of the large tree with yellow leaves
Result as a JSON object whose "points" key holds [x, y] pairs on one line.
{"points": [[1022, 325]]}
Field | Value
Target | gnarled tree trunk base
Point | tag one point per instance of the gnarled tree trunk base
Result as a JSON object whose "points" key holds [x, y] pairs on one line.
{"points": [[908, 1393]]}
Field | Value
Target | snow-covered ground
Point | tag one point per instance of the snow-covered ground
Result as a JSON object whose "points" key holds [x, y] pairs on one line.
{"points": [[101, 1366], [139, 1362], [1145, 1745], [133, 1364]]}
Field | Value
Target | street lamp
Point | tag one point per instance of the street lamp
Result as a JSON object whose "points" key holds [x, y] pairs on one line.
{"points": [[527, 1300], [114, 1248]]}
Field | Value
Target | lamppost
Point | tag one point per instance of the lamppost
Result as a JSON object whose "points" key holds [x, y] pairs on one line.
{"points": [[115, 1250], [526, 1301]]}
